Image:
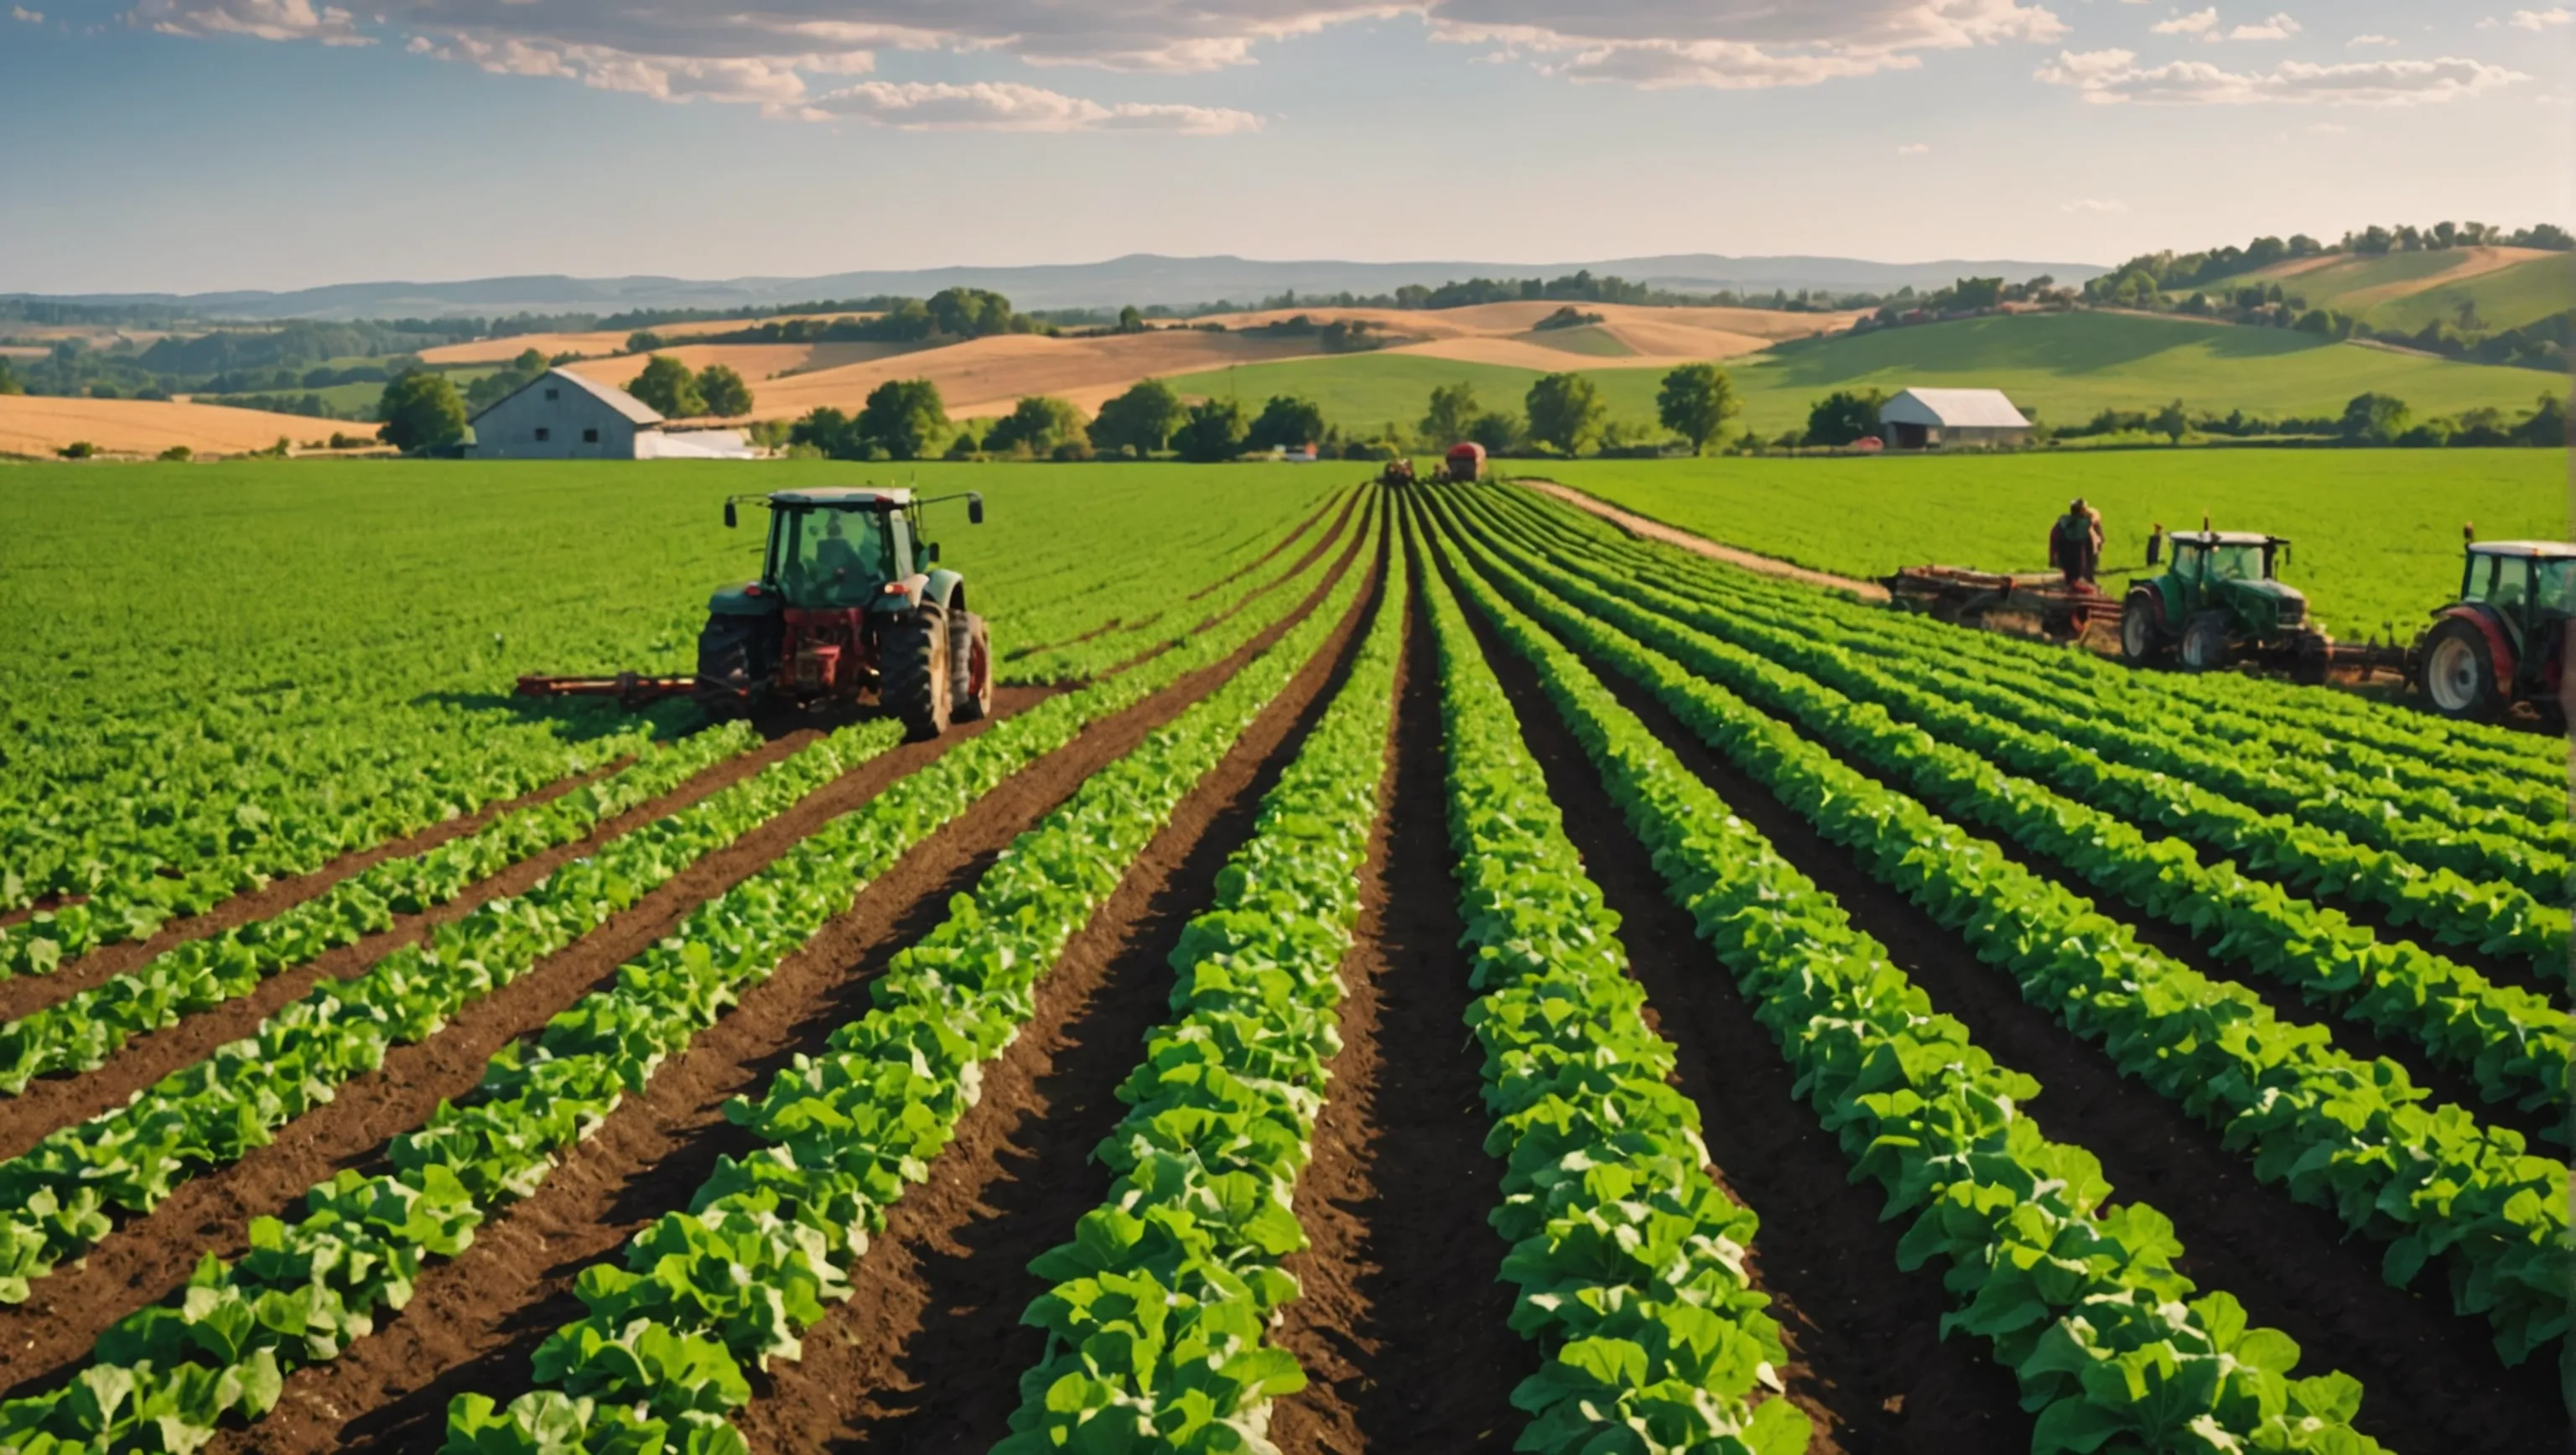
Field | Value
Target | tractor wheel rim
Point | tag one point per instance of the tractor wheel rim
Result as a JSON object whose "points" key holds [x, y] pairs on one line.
{"points": [[2454, 675], [2133, 635]]}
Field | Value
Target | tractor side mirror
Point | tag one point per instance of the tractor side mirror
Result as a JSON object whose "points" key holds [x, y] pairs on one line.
{"points": [[930, 552], [731, 520], [2285, 553], [974, 508], [2155, 545]]}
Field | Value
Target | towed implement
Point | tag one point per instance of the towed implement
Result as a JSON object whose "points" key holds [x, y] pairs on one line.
{"points": [[851, 605]]}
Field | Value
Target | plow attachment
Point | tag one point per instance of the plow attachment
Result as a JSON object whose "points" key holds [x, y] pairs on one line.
{"points": [[633, 691]]}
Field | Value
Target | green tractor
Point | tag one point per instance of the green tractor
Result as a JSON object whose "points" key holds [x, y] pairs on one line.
{"points": [[851, 602], [2221, 602]]}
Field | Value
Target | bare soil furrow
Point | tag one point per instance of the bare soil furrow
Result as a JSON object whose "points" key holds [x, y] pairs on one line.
{"points": [[1402, 1324], [55, 1102], [149, 1256], [27, 994], [1867, 1362], [927, 1353], [2433, 1381], [475, 1321]]}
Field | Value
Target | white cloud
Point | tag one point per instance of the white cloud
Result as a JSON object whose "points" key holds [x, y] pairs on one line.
{"points": [[655, 46], [990, 106], [2279, 27], [1913, 149], [263, 19], [2093, 204], [2110, 77], [2361, 40], [32, 17], [2540, 19], [2198, 22]]}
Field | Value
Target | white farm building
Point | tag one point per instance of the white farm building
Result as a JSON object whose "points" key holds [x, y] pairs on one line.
{"points": [[1933, 419], [560, 415]]}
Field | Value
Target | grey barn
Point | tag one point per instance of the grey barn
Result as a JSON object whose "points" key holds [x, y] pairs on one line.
{"points": [[1932, 419], [559, 415]]}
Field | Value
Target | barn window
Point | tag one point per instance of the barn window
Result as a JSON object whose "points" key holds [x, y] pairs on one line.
{"points": [[553, 394], [543, 434], [590, 436]]}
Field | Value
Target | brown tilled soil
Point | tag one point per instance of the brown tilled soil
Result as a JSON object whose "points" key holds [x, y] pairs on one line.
{"points": [[1402, 1323], [2432, 1379], [1866, 1360], [148, 1256], [28, 994], [928, 1352], [475, 1321]]}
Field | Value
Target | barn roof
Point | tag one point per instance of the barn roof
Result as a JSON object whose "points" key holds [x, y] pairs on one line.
{"points": [[1953, 409], [635, 410]]}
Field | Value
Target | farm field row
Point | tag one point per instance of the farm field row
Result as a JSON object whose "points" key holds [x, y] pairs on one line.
{"points": [[1289, 1023]]}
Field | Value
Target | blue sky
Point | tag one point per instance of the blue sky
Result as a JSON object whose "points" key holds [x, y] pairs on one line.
{"points": [[204, 144]]}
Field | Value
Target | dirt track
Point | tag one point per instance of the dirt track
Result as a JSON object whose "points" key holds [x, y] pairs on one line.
{"points": [[1655, 530]]}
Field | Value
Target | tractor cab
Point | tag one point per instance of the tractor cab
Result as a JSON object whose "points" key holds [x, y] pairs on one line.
{"points": [[840, 548], [2219, 599], [2504, 640]]}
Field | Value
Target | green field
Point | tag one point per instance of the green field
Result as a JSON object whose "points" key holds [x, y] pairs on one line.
{"points": [[2506, 298], [2064, 366], [2376, 533]]}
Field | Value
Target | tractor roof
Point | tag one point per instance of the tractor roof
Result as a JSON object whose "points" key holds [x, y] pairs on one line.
{"points": [[2538, 550], [2224, 537], [845, 496]]}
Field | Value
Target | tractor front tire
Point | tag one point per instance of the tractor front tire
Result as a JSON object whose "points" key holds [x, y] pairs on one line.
{"points": [[728, 670], [970, 667], [2455, 673], [2205, 647], [913, 669], [2140, 640]]}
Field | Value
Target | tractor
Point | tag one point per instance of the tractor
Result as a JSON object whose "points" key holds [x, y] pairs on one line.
{"points": [[2505, 640], [850, 603], [1398, 471], [2220, 601], [1463, 465]]}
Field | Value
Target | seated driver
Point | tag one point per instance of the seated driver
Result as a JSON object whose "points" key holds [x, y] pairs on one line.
{"points": [[835, 559]]}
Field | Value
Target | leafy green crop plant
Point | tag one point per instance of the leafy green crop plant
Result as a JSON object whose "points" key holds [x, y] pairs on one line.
{"points": [[768, 1241], [1628, 1258], [2113, 1346], [2347, 1135]]}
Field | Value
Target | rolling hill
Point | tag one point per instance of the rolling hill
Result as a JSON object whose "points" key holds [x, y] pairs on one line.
{"points": [[2065, 366], [2509, 287]]}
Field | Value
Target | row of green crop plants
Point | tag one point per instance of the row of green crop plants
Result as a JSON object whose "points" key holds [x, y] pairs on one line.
{"points": [[2433, 1184], [171, 1373]]}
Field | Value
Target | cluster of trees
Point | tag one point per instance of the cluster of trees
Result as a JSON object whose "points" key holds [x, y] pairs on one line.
{"points": [[2540, 344], [667, 386], [951, 313], [1340, 336], [2373, 420], [1962, 298]]}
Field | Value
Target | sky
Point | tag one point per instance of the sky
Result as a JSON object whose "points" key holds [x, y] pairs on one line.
{"points": [[191, 145]]}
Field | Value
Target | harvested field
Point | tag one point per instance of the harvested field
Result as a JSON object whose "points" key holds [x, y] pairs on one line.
{"points": [[39, 425]]}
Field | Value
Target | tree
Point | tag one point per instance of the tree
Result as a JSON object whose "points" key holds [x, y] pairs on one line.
{"points": [[1130, 320], [2171, 422], [722, 392], [2373, 419], [2546, 426], [1498, 431], [1565, 411], [1453, 411], [1844, 416], [904, 418], [667, 386], [1212, 432], [530, 362], [421, 412], [1035, 426], [9, 381], [1976, 292], [1696, 402], [1139, 421], [830, 431], [643, 341], [1286, 422], [970, 312]]}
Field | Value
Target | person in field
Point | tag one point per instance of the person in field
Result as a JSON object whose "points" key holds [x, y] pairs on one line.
{"points": [[2075, 542]]}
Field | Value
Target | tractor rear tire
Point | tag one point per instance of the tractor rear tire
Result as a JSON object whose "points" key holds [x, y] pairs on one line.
{"points": [[970, 667], [2205, 647], [727, 670], [2140, 640], [913, 669], [2455, 673]]}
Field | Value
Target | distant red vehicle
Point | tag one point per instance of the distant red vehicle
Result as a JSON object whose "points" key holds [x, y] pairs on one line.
{"points": [[1464, 464]]}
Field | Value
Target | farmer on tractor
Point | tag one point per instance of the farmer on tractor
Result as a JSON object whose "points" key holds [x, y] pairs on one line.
{"points": [[2075, 541]]}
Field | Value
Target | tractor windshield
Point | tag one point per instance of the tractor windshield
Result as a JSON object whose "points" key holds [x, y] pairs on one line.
{"points": [[826, 557], [2235, 563], [2555, 590]]}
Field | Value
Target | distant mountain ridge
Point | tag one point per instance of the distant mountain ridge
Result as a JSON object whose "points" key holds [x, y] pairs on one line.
{"points": [[1144, 279]]}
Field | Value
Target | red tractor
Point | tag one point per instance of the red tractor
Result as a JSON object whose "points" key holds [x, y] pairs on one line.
{"points": [[2504, 641], [1464, 464], [850, 604]]}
